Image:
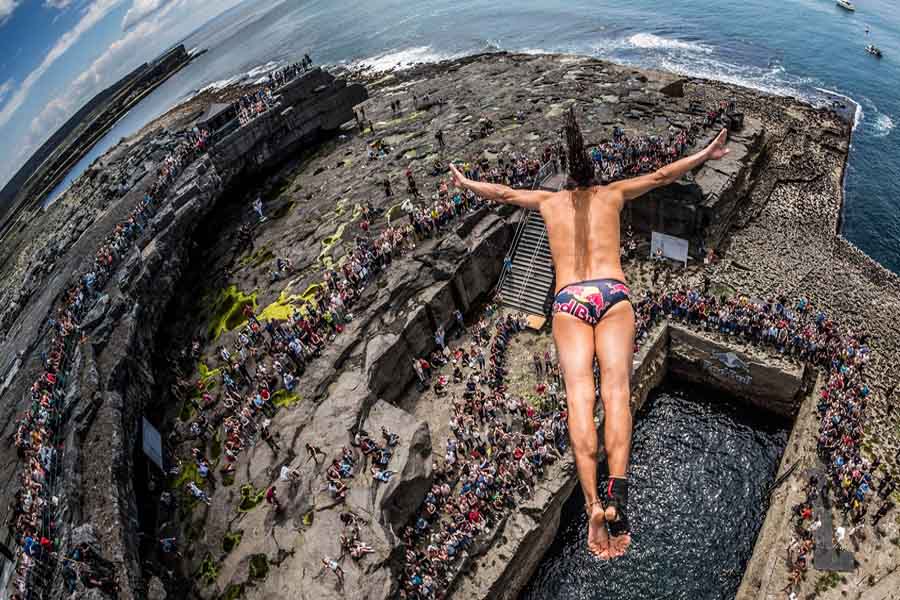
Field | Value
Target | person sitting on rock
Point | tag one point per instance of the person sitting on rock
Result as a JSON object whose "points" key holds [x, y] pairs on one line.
{"points": [[381, 475], [391, 438]]}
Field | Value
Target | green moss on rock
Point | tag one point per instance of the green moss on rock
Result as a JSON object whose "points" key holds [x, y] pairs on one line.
{"points": [[209, 571], [188, 473], [227, 311], [232, 540], [250, 497], [259, 566], [284, 399], [233, 592]]}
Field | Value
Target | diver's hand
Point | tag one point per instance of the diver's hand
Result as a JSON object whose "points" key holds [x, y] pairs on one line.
{"points": [[717, 149], [459, 180]]}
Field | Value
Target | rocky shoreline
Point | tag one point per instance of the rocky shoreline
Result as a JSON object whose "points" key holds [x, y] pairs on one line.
{"points": [[771, 213]]}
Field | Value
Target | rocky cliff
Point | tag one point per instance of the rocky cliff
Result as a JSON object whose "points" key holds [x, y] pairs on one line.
{"points": [[112, 374], [763, 381], [315, 210]]}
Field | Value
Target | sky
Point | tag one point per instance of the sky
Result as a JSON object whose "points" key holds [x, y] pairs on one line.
{"points": [[57, 54]]}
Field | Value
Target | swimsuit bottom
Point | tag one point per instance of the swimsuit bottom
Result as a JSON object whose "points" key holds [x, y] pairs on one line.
{"points": [[589, 300]]}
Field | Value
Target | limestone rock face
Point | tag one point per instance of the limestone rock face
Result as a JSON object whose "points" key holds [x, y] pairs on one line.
{"points": [[156, 590], [96, 313], [403, 494], [763, 381], [521, 541]]}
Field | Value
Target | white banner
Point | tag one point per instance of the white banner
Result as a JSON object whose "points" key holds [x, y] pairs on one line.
{"points": [[672, 247], [153, 444]]}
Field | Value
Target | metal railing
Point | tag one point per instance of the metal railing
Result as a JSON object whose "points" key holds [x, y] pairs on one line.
{"points": [[547, 170], [530, 270]]}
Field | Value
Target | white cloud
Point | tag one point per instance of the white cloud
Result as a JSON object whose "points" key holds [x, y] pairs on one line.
{"points": [[91, 16], [140, 10], [6, 8], [4, 89], [168, 24], [58, 4], [107, 68]]}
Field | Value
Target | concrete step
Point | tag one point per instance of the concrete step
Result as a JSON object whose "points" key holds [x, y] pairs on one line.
{"points": [[540, 282], [529, 284], [525, 255], [518, 289]]}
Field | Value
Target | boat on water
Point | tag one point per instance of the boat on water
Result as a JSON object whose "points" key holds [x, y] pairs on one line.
{"points": [[873, 50], [846, 5]]}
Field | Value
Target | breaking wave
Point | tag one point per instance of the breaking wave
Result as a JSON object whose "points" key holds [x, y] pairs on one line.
{"points": [[400, 59], [256, 75], [882, 126], [649, 41], [771, 79]]}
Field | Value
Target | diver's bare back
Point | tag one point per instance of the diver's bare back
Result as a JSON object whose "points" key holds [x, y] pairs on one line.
{"points": [[583, 231]]}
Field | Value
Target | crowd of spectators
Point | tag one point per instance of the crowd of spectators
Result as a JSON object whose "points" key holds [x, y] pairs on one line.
{"points": [[251, 105], [266, 358], [514, 169], [37, 433], [624, 156], [800, 550], [500, 446], [797, 331], [286, 74]]}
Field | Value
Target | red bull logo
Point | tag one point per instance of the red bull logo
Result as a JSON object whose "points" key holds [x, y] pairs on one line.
{"points": [[618, 288]]}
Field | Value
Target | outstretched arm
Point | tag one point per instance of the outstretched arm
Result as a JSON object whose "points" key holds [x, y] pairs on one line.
{"points": [[638, 186], [499, 193]]}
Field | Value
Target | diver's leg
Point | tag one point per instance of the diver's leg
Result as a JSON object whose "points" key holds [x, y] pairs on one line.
{"points": [[614, 343], [575, 348]]}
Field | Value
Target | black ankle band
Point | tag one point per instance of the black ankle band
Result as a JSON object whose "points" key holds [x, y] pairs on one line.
{"points": [[617, 498]]}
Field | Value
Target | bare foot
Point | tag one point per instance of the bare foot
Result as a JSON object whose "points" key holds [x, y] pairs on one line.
{"points": [[598, 538], [618, 545]]}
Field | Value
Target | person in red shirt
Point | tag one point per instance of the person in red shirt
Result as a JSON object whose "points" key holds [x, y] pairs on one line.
{"points": [[272, 498]]}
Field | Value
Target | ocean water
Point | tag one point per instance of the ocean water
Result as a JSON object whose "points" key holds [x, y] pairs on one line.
{"points": [[800, 48], [701, 470]]}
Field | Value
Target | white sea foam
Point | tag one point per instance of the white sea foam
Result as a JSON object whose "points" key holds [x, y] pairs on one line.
{"points": [[402, 58], [256, 75], [696, 59], [882, 125], [261, 70], [535, 51], [221, 84], [771, 80], [649, 41]]}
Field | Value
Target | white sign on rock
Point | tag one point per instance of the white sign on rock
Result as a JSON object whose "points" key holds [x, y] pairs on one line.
{"points": [[152, 444], [674, 248]]}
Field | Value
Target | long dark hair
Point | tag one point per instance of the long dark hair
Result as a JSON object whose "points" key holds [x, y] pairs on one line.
{"points": [[580, 177], [581, 168]]}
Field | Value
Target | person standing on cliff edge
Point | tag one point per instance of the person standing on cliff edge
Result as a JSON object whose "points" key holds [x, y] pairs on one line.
{"points": [[593, 317]]}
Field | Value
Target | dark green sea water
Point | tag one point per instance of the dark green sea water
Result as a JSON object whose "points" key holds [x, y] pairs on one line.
{"points": [[701, 468]]}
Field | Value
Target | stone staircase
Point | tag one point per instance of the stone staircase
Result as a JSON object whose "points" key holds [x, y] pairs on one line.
{"points": [[528, 284]]}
